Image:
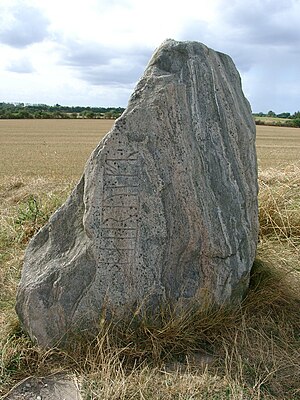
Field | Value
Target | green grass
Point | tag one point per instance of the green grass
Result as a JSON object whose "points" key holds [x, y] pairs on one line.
{"points": [[275, 121], [271, 120]]}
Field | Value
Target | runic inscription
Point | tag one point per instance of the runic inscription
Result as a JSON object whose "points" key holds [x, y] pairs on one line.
{"points": [[120, 207]]}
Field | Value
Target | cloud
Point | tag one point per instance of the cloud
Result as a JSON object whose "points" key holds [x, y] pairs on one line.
{"points": [[21, 65], [112, 4], [265, 22], [209, 34], [114, 74], [22, 25], [86, 54], [98, 64], [249, 33], [262, 37]]}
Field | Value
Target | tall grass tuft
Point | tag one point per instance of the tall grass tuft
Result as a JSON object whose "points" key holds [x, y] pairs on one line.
{"points": [[279, 211]]}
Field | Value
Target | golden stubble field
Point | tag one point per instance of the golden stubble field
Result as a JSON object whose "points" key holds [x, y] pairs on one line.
{"points": [[277, 147], [48, 148], [60, 148]]}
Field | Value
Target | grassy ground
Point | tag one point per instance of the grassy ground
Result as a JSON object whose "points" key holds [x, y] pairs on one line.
{"points": [[271, 120], [249, 352], [275, 121]]}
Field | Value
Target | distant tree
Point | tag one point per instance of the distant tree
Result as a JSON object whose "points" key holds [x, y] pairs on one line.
{"points": [[25, 114], [38, 115], [45, 115], [271, 114], [284, 115], [28, 110], [89, 114], [108, 115], [296, 114]]}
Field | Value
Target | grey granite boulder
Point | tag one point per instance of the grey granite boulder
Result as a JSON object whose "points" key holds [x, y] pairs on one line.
{"points": [[166, 209]]}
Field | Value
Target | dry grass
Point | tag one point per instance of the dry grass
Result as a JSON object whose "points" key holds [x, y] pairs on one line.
{"points": [[247, 352], [25, 206], [253, 349], [280, 204]]}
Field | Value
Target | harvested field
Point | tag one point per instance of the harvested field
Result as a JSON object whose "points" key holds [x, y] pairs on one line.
{"points": [[277, 146], [60, 148], [52, 148]]}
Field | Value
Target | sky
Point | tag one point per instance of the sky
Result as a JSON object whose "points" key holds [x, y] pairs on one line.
{"points": [[93, 52]]}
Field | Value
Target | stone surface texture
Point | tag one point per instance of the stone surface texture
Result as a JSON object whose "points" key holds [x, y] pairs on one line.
{"points": [[166, 209]]}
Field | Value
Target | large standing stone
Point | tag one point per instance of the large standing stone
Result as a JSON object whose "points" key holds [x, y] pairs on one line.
{"points": [[166, 209]]}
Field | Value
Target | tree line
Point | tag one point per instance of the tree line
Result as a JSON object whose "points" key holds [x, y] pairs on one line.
{"points": [[282, 119], [44, 111]]}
